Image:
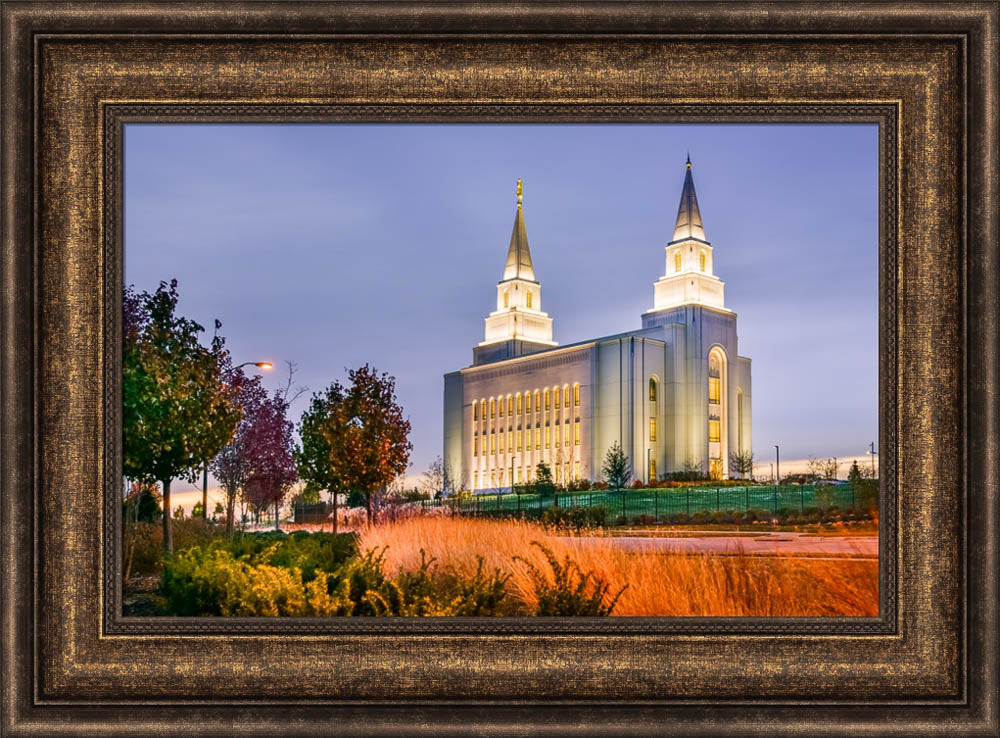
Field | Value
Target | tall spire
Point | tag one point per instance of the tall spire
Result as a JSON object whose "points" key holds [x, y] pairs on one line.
{"points": [[688, 216], [518, 255]]}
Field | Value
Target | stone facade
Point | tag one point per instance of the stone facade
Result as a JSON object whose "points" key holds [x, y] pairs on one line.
{"points": [[674, 394]]}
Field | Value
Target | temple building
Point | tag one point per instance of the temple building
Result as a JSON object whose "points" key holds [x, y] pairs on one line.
{"points": [[675, 394]]}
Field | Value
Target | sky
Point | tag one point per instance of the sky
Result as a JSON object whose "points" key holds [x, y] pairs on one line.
{"points": [[336, 245]]}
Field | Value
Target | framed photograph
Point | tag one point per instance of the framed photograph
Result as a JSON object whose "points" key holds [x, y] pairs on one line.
{"points": [[398, 368]]}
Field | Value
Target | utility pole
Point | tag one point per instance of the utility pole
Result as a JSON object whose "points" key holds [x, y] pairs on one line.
{"points": [[777, 463], [873, 452]]}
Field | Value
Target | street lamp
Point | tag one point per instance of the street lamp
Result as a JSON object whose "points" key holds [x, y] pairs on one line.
{"points": [[265, 365], [777, 462]]}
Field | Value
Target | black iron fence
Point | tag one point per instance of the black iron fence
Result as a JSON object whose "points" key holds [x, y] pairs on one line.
{"points": [[665, 503]]}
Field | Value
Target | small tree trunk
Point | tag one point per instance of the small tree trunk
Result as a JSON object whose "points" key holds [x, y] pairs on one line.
{"points": [[277, 520], [335, 513], [230, 513], [168, 541]]}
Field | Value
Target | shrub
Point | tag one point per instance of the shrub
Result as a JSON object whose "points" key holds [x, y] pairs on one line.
{"points": [[570, 591], [575, 517], [319, 575], [142, 548]]}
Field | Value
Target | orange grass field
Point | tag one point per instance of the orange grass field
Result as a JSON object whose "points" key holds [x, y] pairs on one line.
{"points": [[659, 584]]}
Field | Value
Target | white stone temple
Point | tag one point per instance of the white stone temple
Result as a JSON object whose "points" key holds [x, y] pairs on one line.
{"points": [[674, 394]]}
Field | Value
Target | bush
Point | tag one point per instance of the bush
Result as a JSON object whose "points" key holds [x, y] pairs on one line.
{"points": [[575, 517], [319, 575], [142, 549], [570, 591]]}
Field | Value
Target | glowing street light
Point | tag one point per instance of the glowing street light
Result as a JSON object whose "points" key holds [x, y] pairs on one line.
{"points": [[265, 365]]}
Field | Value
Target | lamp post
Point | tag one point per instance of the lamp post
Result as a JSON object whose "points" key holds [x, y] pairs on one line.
{"points": [[873, 452], [265, 365], [777, 463]]}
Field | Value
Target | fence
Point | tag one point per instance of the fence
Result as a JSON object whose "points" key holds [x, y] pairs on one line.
{"points": [[658, 503], [311, 512]]}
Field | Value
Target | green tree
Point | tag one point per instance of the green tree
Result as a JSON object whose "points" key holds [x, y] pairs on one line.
{"points": [[616, 467], [544, 484], [177, 410], [313, 453]]}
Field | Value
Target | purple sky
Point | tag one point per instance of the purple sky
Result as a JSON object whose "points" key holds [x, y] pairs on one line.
{"points": [[336, 245]]}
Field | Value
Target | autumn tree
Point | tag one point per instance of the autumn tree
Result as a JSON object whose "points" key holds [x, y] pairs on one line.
{"points": [[271, 468], [177, 410], [616, 467], [231, 467], [367, 435]]}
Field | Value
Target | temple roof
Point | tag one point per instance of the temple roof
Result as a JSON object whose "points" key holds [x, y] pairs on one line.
{"points": [[518, 255], [688, 216]]}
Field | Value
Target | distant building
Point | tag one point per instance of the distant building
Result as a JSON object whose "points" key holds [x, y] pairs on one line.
{"points": [[674, 393]]}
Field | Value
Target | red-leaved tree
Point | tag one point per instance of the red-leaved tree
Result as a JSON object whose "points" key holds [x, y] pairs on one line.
{"points": [[269, 452], [232, 466]]}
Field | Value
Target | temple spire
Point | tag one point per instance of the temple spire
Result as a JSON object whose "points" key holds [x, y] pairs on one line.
{"points": [[519, 255], [688, 216]]}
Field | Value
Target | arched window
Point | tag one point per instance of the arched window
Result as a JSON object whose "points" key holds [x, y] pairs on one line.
{"points": [[502, 403], [677, 260], [519, 406], [528, 299], [566, 395], [527, 402], [557, 394], [701, 261], [652, 389], [576, 394], [547, 399], [510, 405], [475, 410], [493, 407], [506, 298], [538, 404]]}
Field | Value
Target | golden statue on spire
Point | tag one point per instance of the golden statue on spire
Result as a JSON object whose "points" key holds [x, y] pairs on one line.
{"points": [[518, 190]]}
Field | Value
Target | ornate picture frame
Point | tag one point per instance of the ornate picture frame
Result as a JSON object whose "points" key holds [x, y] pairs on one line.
{"points": [[75, 74]]}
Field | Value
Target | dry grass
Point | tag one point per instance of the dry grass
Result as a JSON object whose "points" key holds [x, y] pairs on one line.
{"points": [[659, 584]]}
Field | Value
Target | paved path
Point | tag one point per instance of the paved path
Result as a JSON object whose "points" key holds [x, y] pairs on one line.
{"points": [[783, 543]]}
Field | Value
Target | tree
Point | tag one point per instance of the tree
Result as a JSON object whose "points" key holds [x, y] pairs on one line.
{"points": [[271, 469], [544, 485], [232, 465], [313, 454], [693, 468], [435, 479], [177, 410], [616, 467], [742, 462], [366, 435]]}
